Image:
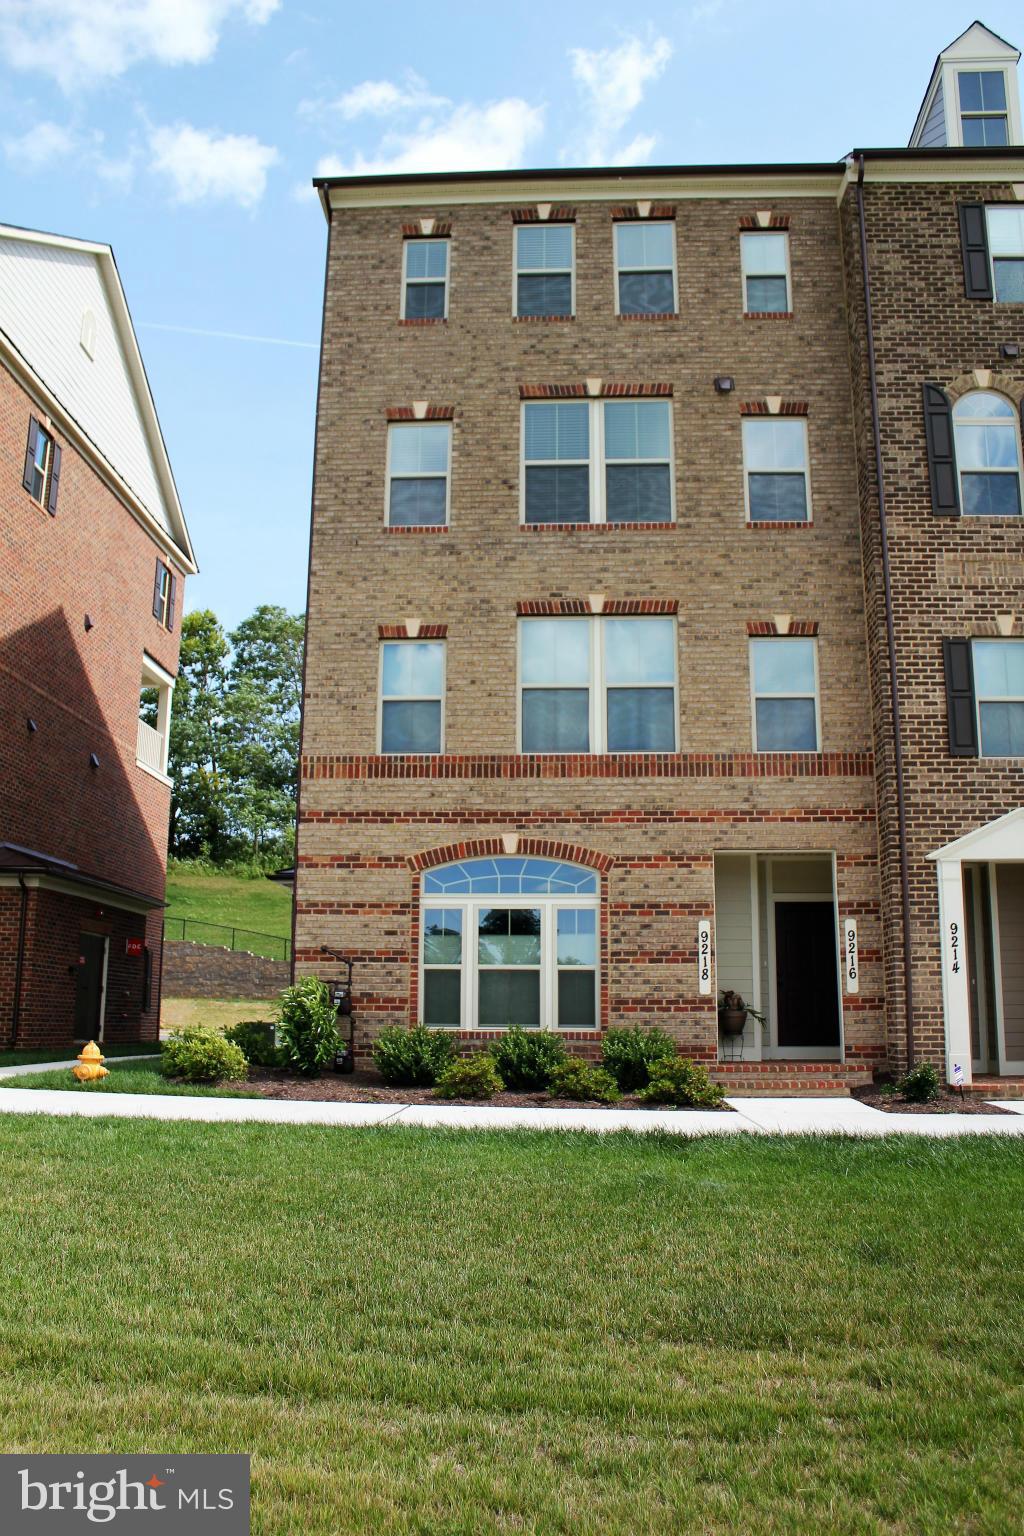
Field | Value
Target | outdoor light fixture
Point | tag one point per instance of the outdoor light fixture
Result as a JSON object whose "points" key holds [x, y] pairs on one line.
{"points": [[1010, 348], [88, 624], [31, 725], [94, 761], [724, 385]]}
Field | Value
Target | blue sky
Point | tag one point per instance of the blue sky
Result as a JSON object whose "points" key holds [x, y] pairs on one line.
{"points": [[185, 133]]}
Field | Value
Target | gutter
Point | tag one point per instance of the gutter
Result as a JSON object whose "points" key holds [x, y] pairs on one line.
{"points": [[890, 631], [19, 963]]}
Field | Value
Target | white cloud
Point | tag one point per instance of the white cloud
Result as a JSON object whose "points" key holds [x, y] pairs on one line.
{"points": [[39, 146], [81, 42], [492, 137], [46, 142], [383, 98], [612, 82], [211, 167]]}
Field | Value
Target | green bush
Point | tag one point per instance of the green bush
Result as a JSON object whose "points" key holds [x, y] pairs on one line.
{"points": [[200, 1055], [630, 1055], [526, 1058], [920, 1085], [684, 1084], [307, 1029], [255, 1041], [579, 1079], [469, 1077], [412, 1058]]}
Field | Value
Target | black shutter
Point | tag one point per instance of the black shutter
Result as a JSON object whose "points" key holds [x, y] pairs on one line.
{"points": [[170, 601], [938, 431], [51, 500], [974, 248], [30, 454], [158, 607], [963, 720]]}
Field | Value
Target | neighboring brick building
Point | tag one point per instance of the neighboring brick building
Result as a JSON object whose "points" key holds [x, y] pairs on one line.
{"points": [[598, 710], [95, 551]]}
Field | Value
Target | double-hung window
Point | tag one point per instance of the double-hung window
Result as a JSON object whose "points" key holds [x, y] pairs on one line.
{"points": [[412, 696], [983, 118], [1006, 249], [764, 258], [999, 690], [41, 477], [784, 687], [597, 461], [425, 280], [418, 460], [545, 280], [645, 268], [165, 587], [597, 685], [775, 469], [986, 438]]}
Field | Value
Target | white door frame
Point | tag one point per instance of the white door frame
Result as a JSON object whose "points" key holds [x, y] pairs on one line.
{"points": [[799, 1052]]}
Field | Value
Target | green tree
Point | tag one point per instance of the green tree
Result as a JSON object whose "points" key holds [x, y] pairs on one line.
{"points": [[199, 821], [262, 708]]}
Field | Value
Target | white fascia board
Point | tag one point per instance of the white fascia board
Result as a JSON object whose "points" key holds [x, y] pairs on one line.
{"points": [[933, 167], [556, 189]]}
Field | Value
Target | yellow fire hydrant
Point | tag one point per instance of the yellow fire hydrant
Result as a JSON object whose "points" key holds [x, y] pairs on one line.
{"points": [[90, 1064]]}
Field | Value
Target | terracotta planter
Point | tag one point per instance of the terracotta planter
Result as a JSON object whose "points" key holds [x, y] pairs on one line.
{"points": [[732, 1020]]}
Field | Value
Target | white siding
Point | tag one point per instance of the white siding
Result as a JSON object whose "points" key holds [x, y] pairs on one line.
{"points": [[1010, 894], [45, 291], [933, 134], [734, 935]]}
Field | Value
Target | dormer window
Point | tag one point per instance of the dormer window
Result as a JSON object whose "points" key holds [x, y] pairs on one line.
{"points": [[983, 119]]}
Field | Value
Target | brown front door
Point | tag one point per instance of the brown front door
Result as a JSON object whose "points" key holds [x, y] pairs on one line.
{"points": [[92, 949], [806, 976]]}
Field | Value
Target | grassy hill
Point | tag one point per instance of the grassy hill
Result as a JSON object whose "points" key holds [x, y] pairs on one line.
{"points": [[257, 905]]}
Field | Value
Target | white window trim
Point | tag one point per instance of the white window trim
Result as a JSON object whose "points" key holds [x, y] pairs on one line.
{"points": [[990, 207], [597, 464], [402, 426], [518, 272], [627, 223], [165, 592], [997, 698], [420, 698], [597, 686], [747, 471], [758, 234], [549, 968], [1018, 472], [980, 68], [754, 695], [156, 676], [419, 282], [42, 433]]}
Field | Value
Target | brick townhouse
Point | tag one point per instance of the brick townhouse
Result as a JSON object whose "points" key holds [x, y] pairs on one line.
{"points": [[666, 605], [94, 556]]}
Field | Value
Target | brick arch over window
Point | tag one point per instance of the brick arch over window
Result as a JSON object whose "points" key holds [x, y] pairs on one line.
{"points": [[999, 384], [526, 847]]}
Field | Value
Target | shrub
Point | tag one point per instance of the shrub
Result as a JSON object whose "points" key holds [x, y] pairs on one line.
{"points": [[630, 1054], [307, 1030], [920, 1085], [412, 1058], [526, 1058], [255, 1041], [469, 1077], [199, 1055], [682, 1083], [579, 1079]]}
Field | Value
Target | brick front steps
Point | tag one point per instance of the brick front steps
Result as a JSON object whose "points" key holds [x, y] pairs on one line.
{"points": [[996, 1087], [789, 1078]]}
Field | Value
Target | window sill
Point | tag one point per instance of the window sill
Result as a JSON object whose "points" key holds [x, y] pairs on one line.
{"points": [[417, 528], [154, 773], [672, 315], [598, 527], [784, 526], [767, 314], [532, 319], [426, 320], [488, 1032]]}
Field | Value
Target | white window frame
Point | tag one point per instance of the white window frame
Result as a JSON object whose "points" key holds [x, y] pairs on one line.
{"points": [[420, 281], [1018, 471], [1000, 698], [597, 685], [977, 67], [518, 272], [645, 223], [165, 592], [597, 464], [810, 640], [155, 676], [403, 426], [46, 468], [759, 234], [470, 907], [411, 698], [996, 208], [747, 471]]}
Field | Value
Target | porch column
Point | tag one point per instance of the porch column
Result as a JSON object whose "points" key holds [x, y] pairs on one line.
{"points": [[955, 999]]}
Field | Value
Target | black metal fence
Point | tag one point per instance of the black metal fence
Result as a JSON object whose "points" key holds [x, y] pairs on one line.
{"points": [[271, 945]]}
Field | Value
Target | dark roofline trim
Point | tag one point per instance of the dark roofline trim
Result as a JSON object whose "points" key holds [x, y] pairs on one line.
{"points": [[91, 884]]}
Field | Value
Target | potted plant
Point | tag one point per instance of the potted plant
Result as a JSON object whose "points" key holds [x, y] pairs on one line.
{"points": [[733, 1012]]}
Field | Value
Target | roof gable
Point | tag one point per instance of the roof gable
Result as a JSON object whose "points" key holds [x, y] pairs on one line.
{"points": [[1000, 840]]}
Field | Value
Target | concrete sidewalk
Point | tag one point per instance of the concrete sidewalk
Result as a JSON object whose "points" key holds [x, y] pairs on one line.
{"points": [[768, 1116]]}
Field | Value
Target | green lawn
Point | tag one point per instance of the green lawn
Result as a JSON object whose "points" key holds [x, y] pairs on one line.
{"points": [[214, 1012], [256, 906], [145, 1077], [68, 1053], [449, 1334]]}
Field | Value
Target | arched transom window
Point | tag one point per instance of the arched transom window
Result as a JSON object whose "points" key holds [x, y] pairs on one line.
{"points": [[510, 941], [987, 438]]}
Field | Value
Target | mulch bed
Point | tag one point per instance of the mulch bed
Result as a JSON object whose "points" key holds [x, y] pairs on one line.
{"points": [[367, 1088], [947, 1103]]}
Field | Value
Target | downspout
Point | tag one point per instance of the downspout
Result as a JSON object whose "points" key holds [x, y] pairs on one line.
{"points": [[19, 964], [890, 631]]}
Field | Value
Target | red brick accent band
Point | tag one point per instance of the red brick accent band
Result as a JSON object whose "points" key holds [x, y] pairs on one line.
{"points": [[560, 214], [628, 211], [434, 413], [602, 527], [401, 632], [593, 765], [527, 848], [550, 607], [785, 525], [418, 528], [777, 221], [610, 391], [786, 408], [802, 629], [673, 315], [767, 314], [441, 230], [426, 320], [542, 319]]}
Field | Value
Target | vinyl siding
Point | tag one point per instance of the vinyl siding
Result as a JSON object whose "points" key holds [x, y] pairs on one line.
{"points": [[933, 134], [1010, 900]]}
